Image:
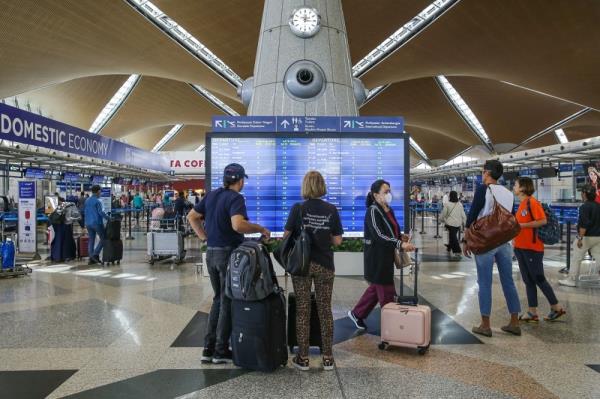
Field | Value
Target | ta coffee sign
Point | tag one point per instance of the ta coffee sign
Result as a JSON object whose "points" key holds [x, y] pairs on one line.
{"points": [[27, 217], [187, 162]]}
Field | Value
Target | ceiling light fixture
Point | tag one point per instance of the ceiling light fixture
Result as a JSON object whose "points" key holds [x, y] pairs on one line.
{"points": [[402, 36], [185, 39], [464, 110], [167, 137], [114, 104], [561, 136]]}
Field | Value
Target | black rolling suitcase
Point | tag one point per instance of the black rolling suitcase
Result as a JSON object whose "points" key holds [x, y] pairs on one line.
{"points": [[258, 333], [113, 228], [315, 326], [112, 251]]}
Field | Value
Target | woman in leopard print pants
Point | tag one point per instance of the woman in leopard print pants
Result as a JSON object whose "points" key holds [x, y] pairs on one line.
{"points": [[322, 221]]}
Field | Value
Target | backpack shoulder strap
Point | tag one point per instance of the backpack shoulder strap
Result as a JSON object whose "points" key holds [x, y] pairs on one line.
{"points": [[532, 219]]}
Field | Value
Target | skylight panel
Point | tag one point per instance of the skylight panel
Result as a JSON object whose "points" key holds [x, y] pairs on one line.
{"points": [[402, 35], [214, 100], [114, 104], [185, 39], [167, 137], [463, 109], [201, 148], [418, 149]]}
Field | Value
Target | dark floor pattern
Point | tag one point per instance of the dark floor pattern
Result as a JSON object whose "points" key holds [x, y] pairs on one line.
{"points": [[444, 330], [160, 384], [595, 367], [31, 384], [192, 335]]}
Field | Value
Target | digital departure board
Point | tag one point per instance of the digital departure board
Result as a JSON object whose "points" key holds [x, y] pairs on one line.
{"points": [[276, 165]]}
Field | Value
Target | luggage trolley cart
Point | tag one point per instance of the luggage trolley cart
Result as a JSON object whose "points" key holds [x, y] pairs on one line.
{"points": [[165, 241]]}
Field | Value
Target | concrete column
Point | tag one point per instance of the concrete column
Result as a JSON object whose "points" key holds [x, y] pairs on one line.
{"points": [[278, 49]]}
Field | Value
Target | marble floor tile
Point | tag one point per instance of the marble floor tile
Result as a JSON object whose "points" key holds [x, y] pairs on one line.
{"points": [[90, 323]]}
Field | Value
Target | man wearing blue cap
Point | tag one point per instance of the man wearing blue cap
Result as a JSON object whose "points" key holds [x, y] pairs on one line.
{"points": [[225, 223]]}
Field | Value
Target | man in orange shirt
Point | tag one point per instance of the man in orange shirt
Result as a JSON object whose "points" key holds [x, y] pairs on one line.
{"points": [[529, 250]]}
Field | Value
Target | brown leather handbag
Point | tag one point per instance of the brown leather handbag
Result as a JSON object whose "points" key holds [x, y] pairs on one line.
{"points": [[492, 230]]}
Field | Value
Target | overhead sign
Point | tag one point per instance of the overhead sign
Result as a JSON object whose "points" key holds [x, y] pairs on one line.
{"points": [[106, 199], [27, 217], [313, 124], [71, 176], [29, 128], [35, 173], [187, 162]]}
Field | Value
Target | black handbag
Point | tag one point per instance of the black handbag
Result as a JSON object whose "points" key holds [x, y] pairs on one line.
{"points": [[294, 252]]}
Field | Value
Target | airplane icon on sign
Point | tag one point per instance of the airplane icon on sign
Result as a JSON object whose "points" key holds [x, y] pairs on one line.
{"points": [[229, 123]]}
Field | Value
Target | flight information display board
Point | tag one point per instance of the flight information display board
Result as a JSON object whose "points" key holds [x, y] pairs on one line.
{"points": [[276, 165]]}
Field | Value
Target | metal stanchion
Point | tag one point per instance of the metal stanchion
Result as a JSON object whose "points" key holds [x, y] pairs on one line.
{"points": [[129, 236], [422, 220], [437, 224], [147, 219], [568, 266]]}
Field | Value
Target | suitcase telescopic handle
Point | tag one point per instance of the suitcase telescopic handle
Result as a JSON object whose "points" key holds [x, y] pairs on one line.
{"points": [[416, 275]]}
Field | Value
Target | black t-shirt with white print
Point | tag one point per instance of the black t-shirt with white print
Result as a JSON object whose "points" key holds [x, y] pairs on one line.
{"points": [[321, 220]]}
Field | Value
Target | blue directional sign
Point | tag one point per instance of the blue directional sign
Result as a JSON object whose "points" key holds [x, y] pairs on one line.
{"points": [[313, 124], [380, 124]]}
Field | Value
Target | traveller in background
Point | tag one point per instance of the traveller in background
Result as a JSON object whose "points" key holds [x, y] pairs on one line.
{"points": [[180, 208], [588, 234], [167, 202], [322, 221], [529, 250], [226, 222], [382, 236], [483, 205], [454, 217], [445, 199], [94, 223], [80, 205], [138, 205]]}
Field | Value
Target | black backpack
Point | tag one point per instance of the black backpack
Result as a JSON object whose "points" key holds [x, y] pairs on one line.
{"points": [[56, 217], [250, 275]]}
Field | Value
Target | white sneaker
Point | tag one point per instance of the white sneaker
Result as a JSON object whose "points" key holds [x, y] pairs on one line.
{"points": [[568, 282]]}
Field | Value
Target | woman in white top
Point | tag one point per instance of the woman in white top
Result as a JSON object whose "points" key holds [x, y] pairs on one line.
{"points": [[454, 217]]}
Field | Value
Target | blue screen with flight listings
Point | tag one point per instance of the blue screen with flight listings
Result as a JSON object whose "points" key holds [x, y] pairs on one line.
{"points": [[276, 165]]}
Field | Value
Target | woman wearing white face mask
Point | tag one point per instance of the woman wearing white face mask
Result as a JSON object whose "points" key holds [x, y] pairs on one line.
{"points": [[382, 237]]}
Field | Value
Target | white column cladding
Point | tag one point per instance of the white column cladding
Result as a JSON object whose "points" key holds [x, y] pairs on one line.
{"points": [[279, 48]]}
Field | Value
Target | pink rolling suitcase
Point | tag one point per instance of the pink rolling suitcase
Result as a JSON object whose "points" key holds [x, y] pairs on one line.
{"points": [[404, 322]]}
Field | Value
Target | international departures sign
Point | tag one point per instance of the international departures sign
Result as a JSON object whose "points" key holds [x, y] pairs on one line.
{"points": [[314, 124]]}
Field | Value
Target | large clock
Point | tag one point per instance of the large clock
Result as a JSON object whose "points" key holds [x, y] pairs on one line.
{"points": [[305, 22]]}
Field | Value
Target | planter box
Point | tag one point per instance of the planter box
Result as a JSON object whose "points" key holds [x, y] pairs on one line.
{"points": [[346, 264]]}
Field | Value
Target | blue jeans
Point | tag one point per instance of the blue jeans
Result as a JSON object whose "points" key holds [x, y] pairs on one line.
{"points": [[93, 231], [219, 318], [485, 264]]}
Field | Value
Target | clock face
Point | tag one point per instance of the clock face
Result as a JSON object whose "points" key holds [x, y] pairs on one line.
{"points": [[305, 22]]}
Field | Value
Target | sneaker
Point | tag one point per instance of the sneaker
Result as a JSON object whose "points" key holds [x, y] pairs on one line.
{"points": [[300, 363], [328, 363], [222, 358], [359, 323], [207, 356], [568, 282]]}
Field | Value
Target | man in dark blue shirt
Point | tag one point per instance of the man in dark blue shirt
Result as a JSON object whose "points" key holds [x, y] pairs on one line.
{"points": [[225, 223]]}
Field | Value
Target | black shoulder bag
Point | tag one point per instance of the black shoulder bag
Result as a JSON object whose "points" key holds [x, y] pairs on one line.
{"points": [[294, 252]]}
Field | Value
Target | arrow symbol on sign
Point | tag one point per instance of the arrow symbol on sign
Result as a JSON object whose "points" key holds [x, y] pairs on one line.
{"points": [[346, 123], [218, 123], [285, 123]]}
